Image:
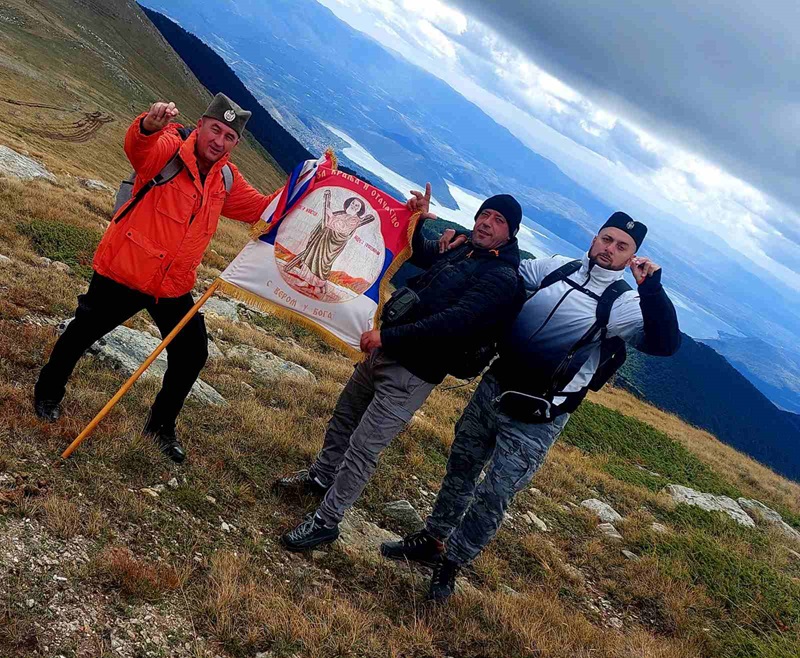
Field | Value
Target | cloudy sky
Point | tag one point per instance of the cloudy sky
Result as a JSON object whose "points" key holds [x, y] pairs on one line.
{"points": [[691, 108]]}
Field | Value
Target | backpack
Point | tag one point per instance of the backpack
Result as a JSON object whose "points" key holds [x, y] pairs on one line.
{"points": [[167, 173], [612, 350]]}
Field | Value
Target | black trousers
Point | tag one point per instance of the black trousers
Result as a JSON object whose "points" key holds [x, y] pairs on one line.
{"points": [[105, 306]]}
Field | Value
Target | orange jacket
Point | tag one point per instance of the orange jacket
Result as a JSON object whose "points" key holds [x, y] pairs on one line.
{"points": [[157, 247]]}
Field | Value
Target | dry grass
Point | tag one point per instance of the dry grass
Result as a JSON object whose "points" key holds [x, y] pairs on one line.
{"points": [[245, 594], [118, 568]]}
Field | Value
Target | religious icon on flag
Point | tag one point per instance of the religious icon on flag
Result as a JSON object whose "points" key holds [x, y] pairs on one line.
{"points": [[325, 251]]}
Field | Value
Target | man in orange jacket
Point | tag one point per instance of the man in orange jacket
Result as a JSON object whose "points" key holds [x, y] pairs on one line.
{"points": [[150, 252]]}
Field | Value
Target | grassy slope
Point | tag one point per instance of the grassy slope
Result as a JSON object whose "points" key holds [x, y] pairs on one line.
{"points": [[708, 588], [94, 57]]}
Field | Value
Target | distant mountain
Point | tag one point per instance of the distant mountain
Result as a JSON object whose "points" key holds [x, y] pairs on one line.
{"points": [[217, 77], [701, 387], [774, 371]]}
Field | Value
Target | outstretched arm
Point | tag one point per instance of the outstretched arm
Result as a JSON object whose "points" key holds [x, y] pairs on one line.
{"points": [[151, 141]]}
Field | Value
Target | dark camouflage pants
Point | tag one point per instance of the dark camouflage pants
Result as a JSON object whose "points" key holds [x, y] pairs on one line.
{"points": [[467, 515]]}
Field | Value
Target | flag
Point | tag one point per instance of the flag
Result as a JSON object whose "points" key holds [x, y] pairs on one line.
{"points": [[324, 252]]}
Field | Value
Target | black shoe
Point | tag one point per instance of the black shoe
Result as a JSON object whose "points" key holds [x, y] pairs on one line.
{"points": [[48, 410], [443, 581], [302, 481], [165, 438], [420, 546], [312, 532]]}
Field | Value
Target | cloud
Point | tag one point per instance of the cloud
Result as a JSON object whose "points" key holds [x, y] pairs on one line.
{"points": [[647, 105], [718, 78]]}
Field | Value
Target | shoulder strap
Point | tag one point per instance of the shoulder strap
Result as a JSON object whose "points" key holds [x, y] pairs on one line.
{"points": [[227, 178], [607, 299], [173, 167], [560, 273]]}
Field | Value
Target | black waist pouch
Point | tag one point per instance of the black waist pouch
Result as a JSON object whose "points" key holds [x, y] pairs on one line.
{"points": [[399, 304], [525, 408]]}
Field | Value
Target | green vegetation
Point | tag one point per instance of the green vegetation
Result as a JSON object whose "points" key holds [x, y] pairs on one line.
{"points": [[70, 244], [630, 442]]}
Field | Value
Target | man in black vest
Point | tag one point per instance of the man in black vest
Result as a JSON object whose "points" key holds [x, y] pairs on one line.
{"points": [[569, 337]]}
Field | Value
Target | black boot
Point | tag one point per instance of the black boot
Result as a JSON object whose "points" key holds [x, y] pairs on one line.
{"points": [[302, 482], [312, 532], [165, 438], [49, 410], [420, 546], [443, 581]]}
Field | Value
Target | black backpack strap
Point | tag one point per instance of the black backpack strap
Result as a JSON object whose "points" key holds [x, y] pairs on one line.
{"points": [[167, 173], [560, 274], [606, 302]]}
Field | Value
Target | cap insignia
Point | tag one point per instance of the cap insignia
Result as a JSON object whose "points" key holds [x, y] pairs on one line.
{"points": [[229, 115]]}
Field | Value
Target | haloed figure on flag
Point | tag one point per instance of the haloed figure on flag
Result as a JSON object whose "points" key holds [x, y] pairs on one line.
{"points": [[446, 318], [150, 252], [327, 242]]}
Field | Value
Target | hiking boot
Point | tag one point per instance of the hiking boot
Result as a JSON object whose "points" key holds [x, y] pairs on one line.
{"points": [[420, 546], [303, 482], [312, 532], [49, 410], [443, 581], [165, 438]]}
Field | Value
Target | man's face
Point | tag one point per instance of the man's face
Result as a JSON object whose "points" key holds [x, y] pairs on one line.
{"points": [[491, 230], [214, 139], [612, 249]]}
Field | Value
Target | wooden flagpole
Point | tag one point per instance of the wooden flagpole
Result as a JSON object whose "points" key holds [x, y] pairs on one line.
{"points": [[132, 380]]}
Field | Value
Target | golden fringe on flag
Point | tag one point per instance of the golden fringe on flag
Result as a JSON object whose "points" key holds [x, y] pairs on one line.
{"points": [[252, 299]]}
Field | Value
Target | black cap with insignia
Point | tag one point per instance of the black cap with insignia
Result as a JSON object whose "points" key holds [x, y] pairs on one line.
{"points": [[626, 223], [225, 110]]}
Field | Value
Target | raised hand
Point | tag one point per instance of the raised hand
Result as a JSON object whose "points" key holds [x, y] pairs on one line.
{"points": [[446, 242], [421, 203], [641, 268], [159, 116]]}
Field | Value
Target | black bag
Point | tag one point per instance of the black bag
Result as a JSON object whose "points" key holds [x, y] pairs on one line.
{"points": [[525, 408]]}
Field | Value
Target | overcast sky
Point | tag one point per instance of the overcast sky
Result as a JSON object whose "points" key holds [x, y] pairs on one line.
{"points": [[691, 107]]}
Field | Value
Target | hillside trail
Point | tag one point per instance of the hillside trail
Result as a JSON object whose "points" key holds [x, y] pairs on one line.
{"points": [[80, 130]]}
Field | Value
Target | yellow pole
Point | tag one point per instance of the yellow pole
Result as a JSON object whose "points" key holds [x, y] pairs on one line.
{"points": [[167, 340]]}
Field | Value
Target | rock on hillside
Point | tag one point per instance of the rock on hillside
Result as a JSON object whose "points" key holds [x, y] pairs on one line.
{"points": [[760, 512], [710, 503], [22, 167], [126, 349]]}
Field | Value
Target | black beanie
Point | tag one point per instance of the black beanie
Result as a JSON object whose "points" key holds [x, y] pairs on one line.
{"points": [[508, 207], [626, 223]]}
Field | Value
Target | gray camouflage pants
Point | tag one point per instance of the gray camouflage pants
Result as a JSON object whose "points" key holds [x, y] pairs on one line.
{"points": [[376, 404], [467, 515]]}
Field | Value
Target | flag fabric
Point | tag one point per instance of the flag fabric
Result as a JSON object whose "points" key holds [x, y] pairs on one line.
{"points": [[324, 252]]}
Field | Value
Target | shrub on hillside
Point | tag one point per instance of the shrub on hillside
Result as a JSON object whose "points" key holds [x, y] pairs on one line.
{"points": [[70, 244]]}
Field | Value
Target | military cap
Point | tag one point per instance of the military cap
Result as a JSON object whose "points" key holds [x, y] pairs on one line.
{"points": [[223, 109], [626, 223]]}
